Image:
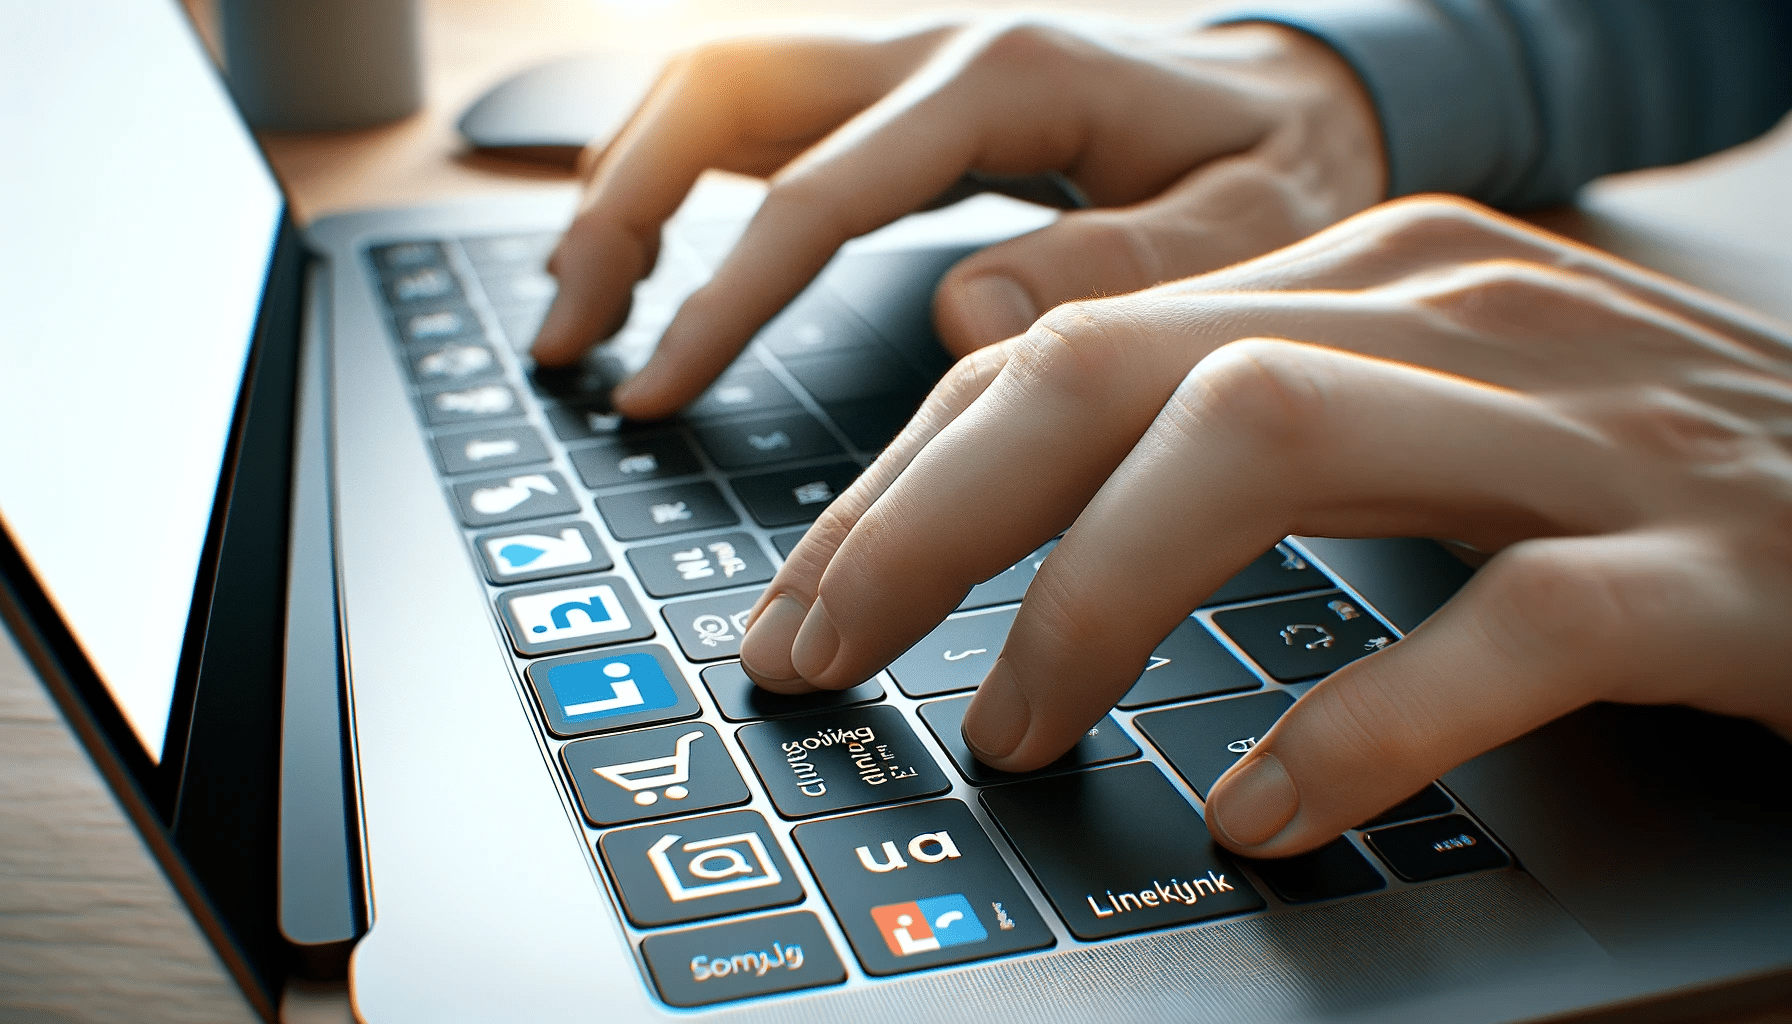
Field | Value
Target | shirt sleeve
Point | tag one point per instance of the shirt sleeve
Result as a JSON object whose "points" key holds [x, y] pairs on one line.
{"points": [[1520, 102]]}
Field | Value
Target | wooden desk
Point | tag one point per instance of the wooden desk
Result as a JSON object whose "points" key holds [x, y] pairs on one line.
{"points": [[89, 929]]}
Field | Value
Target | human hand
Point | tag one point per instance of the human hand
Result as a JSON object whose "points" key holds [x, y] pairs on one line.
{"points": [[1620, 444], [1199, 149]]}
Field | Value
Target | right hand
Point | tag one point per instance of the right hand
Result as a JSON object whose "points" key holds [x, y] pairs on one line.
{"points": [[1197, 148]]}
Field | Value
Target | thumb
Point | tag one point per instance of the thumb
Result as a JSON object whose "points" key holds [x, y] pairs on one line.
{"points": [[1223, 212]]}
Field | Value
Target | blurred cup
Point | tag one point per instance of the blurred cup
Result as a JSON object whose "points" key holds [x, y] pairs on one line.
{"points": [[311, 64]]}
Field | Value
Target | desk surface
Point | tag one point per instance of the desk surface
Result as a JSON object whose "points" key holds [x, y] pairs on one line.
{"points": [[89, 929]]}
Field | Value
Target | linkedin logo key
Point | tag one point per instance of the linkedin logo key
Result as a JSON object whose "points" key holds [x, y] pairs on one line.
{"points": [[694, 868], [920, 886], [616, 689]]}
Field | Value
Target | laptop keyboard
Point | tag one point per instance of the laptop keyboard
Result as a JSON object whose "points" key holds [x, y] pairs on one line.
{"points": [[757, 843]]}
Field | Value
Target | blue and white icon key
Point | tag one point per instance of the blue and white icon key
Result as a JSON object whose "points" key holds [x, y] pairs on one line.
{"points": [[569, 614], [605, 687]]}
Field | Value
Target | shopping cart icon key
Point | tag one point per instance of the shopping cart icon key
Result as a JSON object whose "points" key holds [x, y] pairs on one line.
{"points": [[642, 777], [655, 773]]}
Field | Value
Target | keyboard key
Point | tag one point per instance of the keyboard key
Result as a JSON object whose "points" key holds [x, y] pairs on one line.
{"points": [[919, 886], [629, 458], [589, 380], [710, 628], [1009, 585], [680, 508], [579, 422], [658, 773], [489, 501], [403, 257], [814, 323], [740, 959], [438, 324], [591, 612], [603, 692], [794, 495], [462, 405], [455, 364], [1118, 850], [839, 760], [699, 867], [497, 252], [1434, 848], [743, 389], [786, 542], [1334, 870], [1104, 743], [855, 376], [431, 283], [763, 440], [706, 563], [955, 656], [1280, 570], [1304, 638], [1190, 663], [871, 426], [1202, 740], [540, 552], [470, 451], [742, 700], [1426, 803]]}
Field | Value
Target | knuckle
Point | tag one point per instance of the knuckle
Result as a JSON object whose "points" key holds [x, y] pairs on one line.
{"points": [[1072, 352], [1432, 222], [1264, 391], [1019, 42]]}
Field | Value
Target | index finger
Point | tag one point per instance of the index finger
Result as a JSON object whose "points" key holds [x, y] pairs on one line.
{"points": [[745, 106]]}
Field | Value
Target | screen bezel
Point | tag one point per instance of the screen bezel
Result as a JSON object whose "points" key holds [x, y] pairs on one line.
{"points": [[209, 809]]}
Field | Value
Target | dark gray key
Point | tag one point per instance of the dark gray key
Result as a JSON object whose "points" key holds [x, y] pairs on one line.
{"points": [[742, 700], [919, 886], [541, 551], [872, 425], [1281, 570], [739, 959], [656, 773], [589, 380], [490, 448], [438, 324], [465, 405], [786, 542], [1435, 848], [454, 365], [591, 611], [856, 376], [1202, 740], [1118, 850], [1010, 584], [580, 421], [700, 564], [1328, 873], [695, 868], [421, 284], [838, 760], [662, 511], [1426, 803], [741, 390], [632, 457], [1104, 743], [1189, 663], [955, 656], [710, 628], [1305, 638], [613, 690], [532, 494], [763, 440], [815, 322], [794, 496]]}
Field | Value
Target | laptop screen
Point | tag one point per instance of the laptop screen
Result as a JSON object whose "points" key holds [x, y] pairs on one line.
{"points": [[128, 355]]}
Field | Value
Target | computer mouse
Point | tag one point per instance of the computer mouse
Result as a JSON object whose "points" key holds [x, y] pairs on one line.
{"points": [[550, 112]]}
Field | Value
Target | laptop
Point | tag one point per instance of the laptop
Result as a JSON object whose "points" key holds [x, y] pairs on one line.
{"points": [[417, 667]]}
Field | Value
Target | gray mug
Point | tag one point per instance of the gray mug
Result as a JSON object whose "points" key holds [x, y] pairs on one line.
{"points": [[322, 63]]}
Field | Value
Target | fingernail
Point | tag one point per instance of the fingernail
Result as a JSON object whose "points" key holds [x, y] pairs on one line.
{"points": [[816, 643], [993, 307], [765, 650], [1250, 806], [997, 719]]}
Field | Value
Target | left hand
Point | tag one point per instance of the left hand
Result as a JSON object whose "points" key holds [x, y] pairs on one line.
{"points": [[1621, 445]]}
